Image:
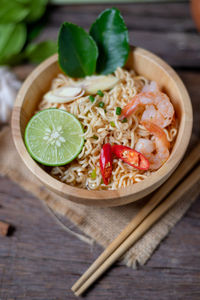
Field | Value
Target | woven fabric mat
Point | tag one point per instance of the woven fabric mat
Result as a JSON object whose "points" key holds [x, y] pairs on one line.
{"points": [[101, 224]]}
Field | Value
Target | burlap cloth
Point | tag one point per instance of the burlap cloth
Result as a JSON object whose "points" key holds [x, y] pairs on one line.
{"points": [[101, 224]]}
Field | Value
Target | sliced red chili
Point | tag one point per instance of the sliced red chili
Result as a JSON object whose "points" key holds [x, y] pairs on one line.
{"points": [[131, 157], [106, 163]]}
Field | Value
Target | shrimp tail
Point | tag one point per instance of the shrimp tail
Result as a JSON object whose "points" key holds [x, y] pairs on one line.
{"points": [[130, 107], [157, 131]]}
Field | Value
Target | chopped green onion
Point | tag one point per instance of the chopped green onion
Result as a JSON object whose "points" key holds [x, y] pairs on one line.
{"points": [[124, 120], [101, 104], [93, 175], [118, 111], [100, 93], [95, 137], [105, 111], [91, 98], [112, 124]]}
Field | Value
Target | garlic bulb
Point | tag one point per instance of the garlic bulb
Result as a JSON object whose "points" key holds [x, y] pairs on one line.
{"points": [[9, 86]]}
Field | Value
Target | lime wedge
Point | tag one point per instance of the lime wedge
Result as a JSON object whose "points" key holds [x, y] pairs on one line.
{"points": [[54, 137]]}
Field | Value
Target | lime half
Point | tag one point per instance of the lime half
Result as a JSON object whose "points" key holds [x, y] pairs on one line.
{"points": [[54, 137]]}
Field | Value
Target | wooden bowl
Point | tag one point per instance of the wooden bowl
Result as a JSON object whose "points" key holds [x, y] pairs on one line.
{"points": [[144, 63]]}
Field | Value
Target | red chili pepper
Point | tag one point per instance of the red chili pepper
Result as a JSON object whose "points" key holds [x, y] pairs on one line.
{"points": [[106, 163], [131, 157]]}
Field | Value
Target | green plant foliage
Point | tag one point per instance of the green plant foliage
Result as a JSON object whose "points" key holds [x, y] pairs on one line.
{"points": [[37, 9], [13, 37], [12, 11], [38, 52], [111, 35], [77, 51], [19, 25]]}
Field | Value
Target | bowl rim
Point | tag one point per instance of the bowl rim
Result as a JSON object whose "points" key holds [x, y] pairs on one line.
{"points": [[93, 197]]}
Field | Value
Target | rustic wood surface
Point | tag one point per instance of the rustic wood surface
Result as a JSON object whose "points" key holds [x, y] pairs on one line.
{"points": [[40, 261]]}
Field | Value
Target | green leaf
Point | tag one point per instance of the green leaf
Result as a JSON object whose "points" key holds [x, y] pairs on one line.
{"points": [[111, 35], [12, 11], [38, 52], [37, 9], [24, 1], [77, 51], [12, 40]]}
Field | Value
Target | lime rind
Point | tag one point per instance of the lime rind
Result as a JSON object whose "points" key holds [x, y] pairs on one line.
{"points": [[48, 122]]}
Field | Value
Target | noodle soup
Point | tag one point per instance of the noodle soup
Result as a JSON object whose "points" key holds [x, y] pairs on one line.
{"points": [[101, 117]]}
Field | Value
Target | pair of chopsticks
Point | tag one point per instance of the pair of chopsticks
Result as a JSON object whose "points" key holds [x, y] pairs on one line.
{"points": [[141, 223]]}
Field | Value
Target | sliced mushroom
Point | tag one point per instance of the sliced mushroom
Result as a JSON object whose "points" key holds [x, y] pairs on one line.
{"points": [[64, 94], [94, 83]]}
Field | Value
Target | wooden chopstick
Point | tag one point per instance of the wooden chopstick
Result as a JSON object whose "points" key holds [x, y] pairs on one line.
{"points": [[182, 170], [142, 228]]}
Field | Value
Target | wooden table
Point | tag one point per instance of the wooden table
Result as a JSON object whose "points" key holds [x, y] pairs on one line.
{"points": [[40, 261]]}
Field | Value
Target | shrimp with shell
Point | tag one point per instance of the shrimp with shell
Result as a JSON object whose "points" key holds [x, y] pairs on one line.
{"points": [[157, 150], [157, 106]]}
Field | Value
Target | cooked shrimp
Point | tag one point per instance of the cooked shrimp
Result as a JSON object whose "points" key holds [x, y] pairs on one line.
{"points": [[158, 108], [145, 146], [148, 147]]}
